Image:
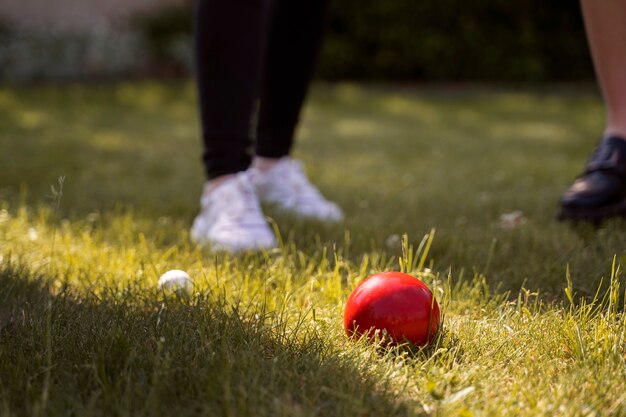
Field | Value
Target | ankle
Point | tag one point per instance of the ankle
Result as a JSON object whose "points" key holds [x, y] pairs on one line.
{"points": [[264, 164], [213, 183], [616, 125], [615, 132]]}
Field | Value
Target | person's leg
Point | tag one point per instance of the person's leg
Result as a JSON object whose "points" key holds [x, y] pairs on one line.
{"points": [[294, 37], [229, 35], [228, 46], [605, 21], [600, 191]]}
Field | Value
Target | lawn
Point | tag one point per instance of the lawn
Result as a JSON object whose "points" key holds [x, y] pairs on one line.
{"points": [[99, 185]]}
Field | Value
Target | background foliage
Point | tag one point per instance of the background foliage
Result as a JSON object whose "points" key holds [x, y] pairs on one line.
{"points": [[517, 40], [513, 40], [394, 40]]}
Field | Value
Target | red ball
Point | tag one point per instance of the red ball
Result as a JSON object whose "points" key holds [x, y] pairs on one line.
{"points": [[398, 303]]}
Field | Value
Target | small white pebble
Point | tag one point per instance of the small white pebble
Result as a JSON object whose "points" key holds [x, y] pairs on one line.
{"points": [[512, 220], [175, 279]]}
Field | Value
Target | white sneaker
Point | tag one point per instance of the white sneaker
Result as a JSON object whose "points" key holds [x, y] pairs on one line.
{"points": [[286, 186], [230, 218]]}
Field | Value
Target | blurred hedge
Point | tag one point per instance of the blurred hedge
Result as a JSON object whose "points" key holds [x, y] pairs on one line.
{"points": [[503, 40], [509, 40]]}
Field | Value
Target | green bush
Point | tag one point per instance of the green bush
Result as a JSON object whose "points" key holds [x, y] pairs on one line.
{"points": [[53, 53], [451, 40], [513, 40], [167, 37]]}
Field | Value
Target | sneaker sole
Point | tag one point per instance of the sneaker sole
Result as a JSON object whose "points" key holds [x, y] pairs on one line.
{"points": [[592, 214]]}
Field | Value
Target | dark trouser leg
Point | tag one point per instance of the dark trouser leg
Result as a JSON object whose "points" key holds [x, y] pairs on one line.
{"points": [[295, 32], [229, 37]]}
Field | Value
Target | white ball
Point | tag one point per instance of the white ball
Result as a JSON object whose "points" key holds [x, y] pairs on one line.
{"points": [[175, 279]]}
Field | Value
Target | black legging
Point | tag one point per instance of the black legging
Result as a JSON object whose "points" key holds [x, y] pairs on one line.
{"points": [[250, 49]]}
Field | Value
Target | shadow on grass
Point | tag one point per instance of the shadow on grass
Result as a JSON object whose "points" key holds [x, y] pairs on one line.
{"points": [[132, 353]]}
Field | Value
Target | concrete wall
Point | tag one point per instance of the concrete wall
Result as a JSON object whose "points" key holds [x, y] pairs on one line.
{"points": [[75, 14]]}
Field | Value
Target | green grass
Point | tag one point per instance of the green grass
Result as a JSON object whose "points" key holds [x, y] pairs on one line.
{"points": [[85, 331]]}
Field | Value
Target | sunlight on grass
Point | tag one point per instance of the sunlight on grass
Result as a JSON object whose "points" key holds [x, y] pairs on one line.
{"points": [[109, 140], [31, 119], [496, 354], [357, 128], [145, 98], [348, 92], [542, 132], [533, 319], [420, 111]]}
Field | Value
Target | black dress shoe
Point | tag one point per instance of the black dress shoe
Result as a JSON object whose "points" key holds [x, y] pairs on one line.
{"points": [[600, 192]]}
